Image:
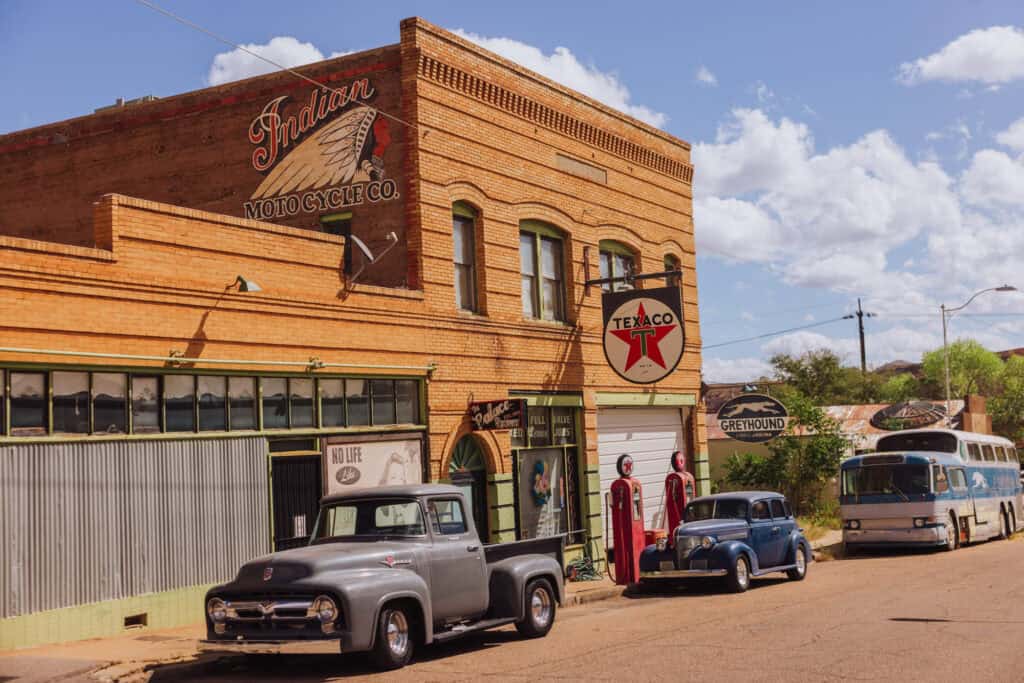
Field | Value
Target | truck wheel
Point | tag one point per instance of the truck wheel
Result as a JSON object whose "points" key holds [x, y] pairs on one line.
{"points": [[798, 572], [739, 575], [539, 609], [392, 648]]}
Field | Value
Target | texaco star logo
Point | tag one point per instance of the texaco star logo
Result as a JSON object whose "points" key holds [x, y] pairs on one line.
{"points": [[643, 340]]}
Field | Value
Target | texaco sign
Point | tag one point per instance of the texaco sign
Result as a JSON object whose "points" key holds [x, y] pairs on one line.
{"points": [[643, 333]]}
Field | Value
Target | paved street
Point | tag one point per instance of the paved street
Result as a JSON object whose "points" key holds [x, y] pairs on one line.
{"points": [[918, 616]]}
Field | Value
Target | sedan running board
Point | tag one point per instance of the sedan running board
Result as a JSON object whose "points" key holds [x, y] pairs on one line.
{"points": [[459, 631], [772, 570]]}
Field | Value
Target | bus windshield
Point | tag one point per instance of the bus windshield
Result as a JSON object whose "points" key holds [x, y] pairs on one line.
{"points": [[875, 480], [918, 441]]}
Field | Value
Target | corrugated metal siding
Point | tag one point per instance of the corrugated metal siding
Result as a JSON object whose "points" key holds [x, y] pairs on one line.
{"points": [[85, 522]]}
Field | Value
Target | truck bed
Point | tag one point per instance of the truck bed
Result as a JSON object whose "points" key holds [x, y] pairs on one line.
{"points": [[552, 546]]}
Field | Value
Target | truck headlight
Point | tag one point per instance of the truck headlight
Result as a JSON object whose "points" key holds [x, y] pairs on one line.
{"points": [[325, 609], [707, 542], [216, 610]]}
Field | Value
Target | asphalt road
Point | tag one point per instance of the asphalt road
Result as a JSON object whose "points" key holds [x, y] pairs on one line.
{"points": [[907, 616]]}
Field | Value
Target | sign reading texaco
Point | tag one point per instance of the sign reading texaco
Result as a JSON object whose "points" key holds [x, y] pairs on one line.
{"points": [[643, 333]]}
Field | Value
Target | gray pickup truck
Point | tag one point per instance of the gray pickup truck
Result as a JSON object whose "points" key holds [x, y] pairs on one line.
{"points": [[386, 569]]}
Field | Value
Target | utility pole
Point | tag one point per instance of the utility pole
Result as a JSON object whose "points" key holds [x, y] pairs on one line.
{"points": [[860, 323]]}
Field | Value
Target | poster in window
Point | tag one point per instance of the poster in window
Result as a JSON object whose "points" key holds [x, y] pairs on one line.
{"points": [[367, 464], [541, 493]]}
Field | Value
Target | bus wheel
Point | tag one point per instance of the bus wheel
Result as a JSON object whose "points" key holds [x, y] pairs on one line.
{"points": [[952, 534], [1013, 522], [1004, 525]]}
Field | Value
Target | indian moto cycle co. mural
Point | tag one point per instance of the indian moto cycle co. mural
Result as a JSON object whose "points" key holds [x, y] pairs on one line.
{"points": [[643, 333], [326, 155]]}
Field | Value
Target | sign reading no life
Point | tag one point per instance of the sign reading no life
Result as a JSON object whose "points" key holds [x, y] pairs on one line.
{"points": [[753, 418]]}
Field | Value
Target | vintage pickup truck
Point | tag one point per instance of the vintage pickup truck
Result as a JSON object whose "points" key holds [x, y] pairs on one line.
{"points": [[386, 569]]}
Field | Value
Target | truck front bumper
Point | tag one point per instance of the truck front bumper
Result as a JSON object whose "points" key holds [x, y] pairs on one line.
{"points": [[272, 647]]}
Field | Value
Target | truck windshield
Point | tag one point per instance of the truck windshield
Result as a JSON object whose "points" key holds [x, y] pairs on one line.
{"points": [[876, 480], [370, 518], [727, 508]]}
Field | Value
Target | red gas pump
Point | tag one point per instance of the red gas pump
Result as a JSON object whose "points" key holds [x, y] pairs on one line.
{"points": [[627, 522], [680, 487]]}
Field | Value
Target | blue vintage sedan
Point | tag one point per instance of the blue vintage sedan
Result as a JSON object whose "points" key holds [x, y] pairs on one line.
{"points": [[734, 535]]}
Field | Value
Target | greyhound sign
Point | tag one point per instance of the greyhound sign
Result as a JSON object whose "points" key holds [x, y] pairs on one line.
{"points": [[753, 418]]}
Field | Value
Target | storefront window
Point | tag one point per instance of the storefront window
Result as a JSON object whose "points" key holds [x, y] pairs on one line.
{"points": [[212, 404], [407, 400], [357, 401], [242, 399], [109, 403], [563, 426], [28, 404], [301, 399], [179, 403], [383, 392], [145, 405], [538, 426], [70, 402], [547, 476], [332, 402], [275, 402]]}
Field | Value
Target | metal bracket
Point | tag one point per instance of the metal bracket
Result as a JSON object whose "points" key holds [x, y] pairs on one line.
{"points": [[632, 277]]}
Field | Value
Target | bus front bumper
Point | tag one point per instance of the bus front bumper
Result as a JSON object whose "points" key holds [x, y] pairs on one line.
{"points": [[928, 535]]}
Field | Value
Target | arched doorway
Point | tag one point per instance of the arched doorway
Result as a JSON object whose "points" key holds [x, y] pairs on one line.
{"points": [[467, 469]]}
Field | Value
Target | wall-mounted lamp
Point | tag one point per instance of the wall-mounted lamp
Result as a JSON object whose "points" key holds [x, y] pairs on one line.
{"points": [[368, 256], [246, 285]]}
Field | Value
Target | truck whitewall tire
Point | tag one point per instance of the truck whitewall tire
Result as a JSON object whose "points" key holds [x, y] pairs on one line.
{"points": [[393, 646], [539, 609]]}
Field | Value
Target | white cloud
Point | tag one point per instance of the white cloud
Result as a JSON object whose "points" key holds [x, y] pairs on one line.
{"points": [[993, 178], [705, 77], [992, 55], [735, 369], [747, 315], [563, 66], [284, 50], [1013, 137]]}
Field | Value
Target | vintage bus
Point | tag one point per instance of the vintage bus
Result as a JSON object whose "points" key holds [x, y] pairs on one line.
{"points": [[931, 487]]}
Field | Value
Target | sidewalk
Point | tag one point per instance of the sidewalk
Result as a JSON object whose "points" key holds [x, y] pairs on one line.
{"points": [[131, 657]]}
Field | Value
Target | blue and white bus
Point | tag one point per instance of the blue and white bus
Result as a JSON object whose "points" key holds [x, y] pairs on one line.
{"points": [[931, 487]]}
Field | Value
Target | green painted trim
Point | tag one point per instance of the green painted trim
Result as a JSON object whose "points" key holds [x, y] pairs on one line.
{"points": [[615, 248], [550, 400], [541, 228], [464, 209], [614, 398], [332, 217], [167, 609]]}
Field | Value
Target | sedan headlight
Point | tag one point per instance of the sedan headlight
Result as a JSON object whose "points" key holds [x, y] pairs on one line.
{"points": [[707, 542], [661, 544], [325, 609], [216, 610]]}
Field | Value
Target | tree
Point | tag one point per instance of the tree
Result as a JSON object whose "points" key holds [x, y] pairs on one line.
{"points": [[816, 374], [1007, 406], [972, 368], [899, 388], [800, 462]]}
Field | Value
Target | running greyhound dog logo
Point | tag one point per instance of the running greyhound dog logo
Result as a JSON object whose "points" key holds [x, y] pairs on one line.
{"points": [[978, 481], [766, 407]]}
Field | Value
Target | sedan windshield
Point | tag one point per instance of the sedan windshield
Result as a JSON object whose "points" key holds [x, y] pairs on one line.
{"points": [[726, 508], [370, 518], [874, 480]]}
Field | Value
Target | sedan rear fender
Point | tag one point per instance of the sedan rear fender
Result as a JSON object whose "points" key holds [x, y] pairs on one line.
{"points": [[365, 592], [723, 555], [508, 579]]}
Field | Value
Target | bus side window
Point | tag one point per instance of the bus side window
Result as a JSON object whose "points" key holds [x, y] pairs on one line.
{"points": [[986, 450], [941, 483], [1013, 453], [1000, 454], [957, 479], [975, 452]]}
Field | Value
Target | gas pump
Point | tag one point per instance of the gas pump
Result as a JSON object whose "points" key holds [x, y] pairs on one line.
{"points": [[627, 522], [680, 488]]}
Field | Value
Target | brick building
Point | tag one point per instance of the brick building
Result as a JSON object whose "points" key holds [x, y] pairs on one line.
{"points": [[218, 306]]}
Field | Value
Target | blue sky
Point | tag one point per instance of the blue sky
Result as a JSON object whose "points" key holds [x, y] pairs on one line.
{"points": [[841, 149]]}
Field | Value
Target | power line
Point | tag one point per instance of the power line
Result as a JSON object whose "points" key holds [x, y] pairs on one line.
{"points": [[775, 334], [222, 39]]}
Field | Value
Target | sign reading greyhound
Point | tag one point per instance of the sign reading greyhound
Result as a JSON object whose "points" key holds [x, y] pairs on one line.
{"points": [[753, 418]]}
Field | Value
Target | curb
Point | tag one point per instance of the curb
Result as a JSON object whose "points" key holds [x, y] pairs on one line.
{"points": [[828, 552], [595, 595]]}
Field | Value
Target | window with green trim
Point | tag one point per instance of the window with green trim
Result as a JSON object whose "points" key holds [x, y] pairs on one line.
{"points": [[616, 260], [464, 257], [542, 270], [671, 263]]}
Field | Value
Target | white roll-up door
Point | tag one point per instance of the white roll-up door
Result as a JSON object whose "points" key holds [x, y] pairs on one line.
{"points": [[650, 435]]}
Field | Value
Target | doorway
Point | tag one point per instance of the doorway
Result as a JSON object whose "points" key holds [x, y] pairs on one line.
{"points": [[296, 488], [467, 470]]}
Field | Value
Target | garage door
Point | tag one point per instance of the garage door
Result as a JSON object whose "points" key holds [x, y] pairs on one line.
{"points": [[650, 435]]}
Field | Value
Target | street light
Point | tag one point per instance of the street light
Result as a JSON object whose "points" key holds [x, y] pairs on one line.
{"points": [[945, 343]]}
